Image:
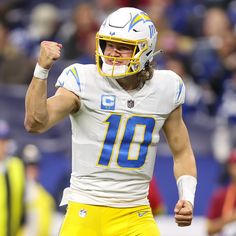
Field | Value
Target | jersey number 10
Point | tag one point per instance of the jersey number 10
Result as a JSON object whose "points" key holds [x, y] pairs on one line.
{"points": [[124, 160]]}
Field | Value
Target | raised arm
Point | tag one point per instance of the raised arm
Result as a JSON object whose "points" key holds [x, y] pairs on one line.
{"points": [[41, 112], [184, 165]]}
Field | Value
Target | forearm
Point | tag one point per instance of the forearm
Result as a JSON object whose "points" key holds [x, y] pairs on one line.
{"points": [[184, 161], [36, 115], [184, 164], [185, 174]]}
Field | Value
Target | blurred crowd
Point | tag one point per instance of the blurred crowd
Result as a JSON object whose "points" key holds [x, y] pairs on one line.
{"points": [[27, 208], [198, 39]]}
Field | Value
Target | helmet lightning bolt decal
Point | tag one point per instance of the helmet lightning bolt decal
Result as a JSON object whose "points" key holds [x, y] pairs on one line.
{"points": [[139, 17]]}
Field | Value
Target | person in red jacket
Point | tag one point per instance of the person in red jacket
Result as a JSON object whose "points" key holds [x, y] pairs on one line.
{"points": [[221, 216], [155, 198]]}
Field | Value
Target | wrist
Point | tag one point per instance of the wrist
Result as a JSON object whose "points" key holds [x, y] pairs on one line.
{"points": [[186, 187], [40, 72]]}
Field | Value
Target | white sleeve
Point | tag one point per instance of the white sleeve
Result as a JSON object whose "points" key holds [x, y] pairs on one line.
{"points": [[179, 91], [72, 79]]}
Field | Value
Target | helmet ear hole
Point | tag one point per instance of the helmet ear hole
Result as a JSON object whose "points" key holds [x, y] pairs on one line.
{"points": [[102, 44], [147, 54], [136, 50]]}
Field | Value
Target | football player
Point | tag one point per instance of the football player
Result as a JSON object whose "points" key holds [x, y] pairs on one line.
{"points": [[117, 109]]}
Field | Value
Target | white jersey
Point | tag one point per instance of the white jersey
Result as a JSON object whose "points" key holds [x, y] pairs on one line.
{"points": [[115, 135]]}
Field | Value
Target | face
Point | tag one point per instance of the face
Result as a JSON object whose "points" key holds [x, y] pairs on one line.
{"points": [[232, 171], [118, 51], [32, 172], [4, 144]]}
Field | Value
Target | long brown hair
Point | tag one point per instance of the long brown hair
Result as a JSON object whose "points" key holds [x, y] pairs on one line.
{"points": [[146, 73]]}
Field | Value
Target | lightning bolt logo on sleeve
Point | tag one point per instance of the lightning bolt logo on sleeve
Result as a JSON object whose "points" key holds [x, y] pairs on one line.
{"points": [[180, 89], [75, 74], [180, 92]]}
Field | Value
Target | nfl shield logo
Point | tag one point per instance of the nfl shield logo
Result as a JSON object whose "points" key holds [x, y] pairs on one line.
{"points": [[130, 103]]}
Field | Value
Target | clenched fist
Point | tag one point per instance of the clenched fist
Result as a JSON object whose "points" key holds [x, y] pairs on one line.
{"points": [[49, 52], [183, 213]]}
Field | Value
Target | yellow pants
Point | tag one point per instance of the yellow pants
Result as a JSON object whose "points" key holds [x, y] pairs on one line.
{"points": [[89, 220]]}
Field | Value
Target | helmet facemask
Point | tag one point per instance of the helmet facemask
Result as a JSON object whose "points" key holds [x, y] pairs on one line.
{"points": [[124, 69]]}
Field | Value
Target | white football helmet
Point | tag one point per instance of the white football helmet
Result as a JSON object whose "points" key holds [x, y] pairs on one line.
{"points": [[127, 26]]}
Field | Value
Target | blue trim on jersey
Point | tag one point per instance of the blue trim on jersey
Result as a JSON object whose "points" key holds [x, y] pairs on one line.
{"points": [[180, 89], [61, 83]]}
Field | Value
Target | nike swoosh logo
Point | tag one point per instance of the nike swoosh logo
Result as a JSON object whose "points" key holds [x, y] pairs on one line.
{"points": [[140, 214]]}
